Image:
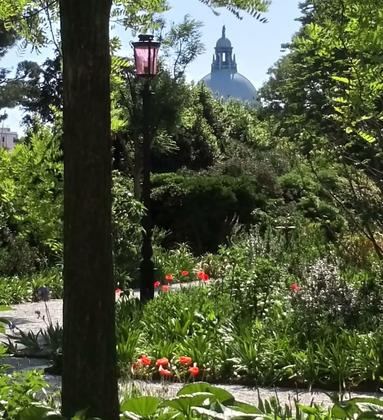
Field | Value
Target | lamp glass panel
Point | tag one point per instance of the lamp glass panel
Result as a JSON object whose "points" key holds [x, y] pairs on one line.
{"points": [[142, 54], [141, 58]]}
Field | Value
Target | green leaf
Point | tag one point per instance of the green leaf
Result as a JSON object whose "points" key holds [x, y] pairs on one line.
{"points": [[238, 415], [244, 408], [338, 412], [142, 406], [308, 409], [221, 395], [366, 136], [211, 414], [341, 79], [37, 412], [184, 403]]}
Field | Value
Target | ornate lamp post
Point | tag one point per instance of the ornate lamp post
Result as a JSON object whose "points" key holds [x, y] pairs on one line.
{"points": [[145, 57]]}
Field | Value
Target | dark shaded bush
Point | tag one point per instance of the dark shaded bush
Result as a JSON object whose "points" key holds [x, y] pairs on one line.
{"points": [[202, 209]]}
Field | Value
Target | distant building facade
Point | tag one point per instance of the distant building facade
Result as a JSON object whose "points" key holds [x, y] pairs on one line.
{"points": [[224, 80], [8, 138]]}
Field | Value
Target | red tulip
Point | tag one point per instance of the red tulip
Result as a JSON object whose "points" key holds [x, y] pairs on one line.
{"points": [[194, 371], [184, 273], [203, 276], [157, 284], [163, 362], [185, 360], [169, 277], [144, 360]]}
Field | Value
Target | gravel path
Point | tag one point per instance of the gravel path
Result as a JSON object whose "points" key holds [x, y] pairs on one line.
{"points": [[33, 317]]}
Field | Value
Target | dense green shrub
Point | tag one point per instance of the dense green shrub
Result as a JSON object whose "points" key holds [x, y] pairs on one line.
{"points": [[18, 289], [201, 209], [31, 204], [311, 197], [17, 256], [127, 231]]}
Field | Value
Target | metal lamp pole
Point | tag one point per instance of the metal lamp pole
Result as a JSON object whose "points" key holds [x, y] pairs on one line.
{"points": [[147, 265], [146, 53]]}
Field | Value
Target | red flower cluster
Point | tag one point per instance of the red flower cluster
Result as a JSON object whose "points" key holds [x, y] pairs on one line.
{"points": [[187, 361], [186, 366], [203, 276]]}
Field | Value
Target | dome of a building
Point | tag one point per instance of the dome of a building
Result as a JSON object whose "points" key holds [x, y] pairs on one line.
{"points": [[224, 80], [230, 85]]}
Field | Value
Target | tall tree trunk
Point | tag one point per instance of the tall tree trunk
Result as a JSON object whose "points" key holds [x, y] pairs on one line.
{"points": [[89, 351]]}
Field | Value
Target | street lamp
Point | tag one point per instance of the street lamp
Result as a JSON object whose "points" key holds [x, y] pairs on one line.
{"points": [[145, 58]]}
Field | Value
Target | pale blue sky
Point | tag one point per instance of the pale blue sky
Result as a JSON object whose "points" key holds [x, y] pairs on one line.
{"points": [[257, 46]]}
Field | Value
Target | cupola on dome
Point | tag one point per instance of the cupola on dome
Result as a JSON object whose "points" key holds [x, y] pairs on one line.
{"points": [[223, 42], [224, 80]]}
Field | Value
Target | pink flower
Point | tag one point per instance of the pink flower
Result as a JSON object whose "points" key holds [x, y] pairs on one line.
{"points": [[294, 287], [117, 293], [157, 284], [165, 288]]}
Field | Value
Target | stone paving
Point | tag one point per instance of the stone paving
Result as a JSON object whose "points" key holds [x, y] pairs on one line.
{"points": [[32, 317]]}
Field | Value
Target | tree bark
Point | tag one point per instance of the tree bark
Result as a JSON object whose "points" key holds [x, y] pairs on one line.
{"points": [[89, 378]]}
